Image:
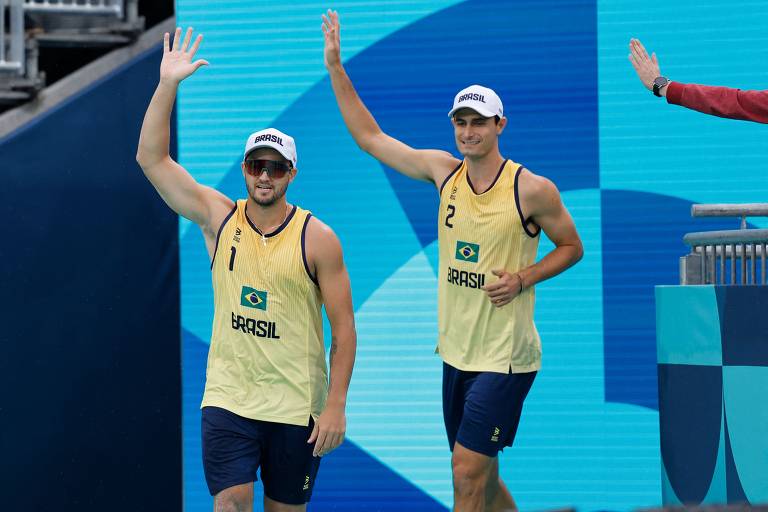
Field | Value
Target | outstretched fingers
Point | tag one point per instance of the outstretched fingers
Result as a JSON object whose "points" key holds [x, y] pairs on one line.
{"points": [[182, 45], [187, 39], [326, 26], [640, 52], [195, 46], [337, 26], [643, 51], [331, 21], [176, 39]]}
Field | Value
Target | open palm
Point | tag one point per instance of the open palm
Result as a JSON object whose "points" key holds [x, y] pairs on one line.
{"points": [[177, 61], [647, 68], [332, 30]]}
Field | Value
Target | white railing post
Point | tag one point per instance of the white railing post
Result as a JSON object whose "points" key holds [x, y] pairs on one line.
{"points": [[12, 52], [743, 246]]}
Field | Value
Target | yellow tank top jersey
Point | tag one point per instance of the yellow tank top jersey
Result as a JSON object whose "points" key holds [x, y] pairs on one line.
{"points": [[476, 234], [267, 357]]}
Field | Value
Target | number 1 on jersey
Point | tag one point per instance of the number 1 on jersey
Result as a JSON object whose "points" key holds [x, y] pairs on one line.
{"points": [[232, 258]]}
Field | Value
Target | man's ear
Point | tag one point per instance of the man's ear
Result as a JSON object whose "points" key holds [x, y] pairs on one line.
{"points": [[501, 125]]}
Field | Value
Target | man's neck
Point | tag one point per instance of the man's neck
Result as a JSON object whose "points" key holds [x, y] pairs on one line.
{"points": [[267, 218], [483, 170]]}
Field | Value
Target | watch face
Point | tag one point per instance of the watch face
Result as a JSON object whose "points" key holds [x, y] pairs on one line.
{"points": [[660, 81]]}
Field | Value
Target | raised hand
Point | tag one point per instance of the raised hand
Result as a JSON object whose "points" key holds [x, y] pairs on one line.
{"points": [[177, 61], [647, 68], [332, 30]]}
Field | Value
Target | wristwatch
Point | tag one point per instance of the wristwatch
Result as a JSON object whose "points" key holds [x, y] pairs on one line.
{"points": [[658, 83]]}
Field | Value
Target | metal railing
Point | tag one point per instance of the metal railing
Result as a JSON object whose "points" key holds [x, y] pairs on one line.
{"points": [[114, 7], [26, 25], [726, 257], [12, 42]]}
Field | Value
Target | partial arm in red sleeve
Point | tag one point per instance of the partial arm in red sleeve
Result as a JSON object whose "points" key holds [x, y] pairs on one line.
{"points": [[720, 101]]}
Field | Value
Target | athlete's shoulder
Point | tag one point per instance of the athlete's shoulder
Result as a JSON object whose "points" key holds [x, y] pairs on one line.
{"points": [[538, 193], [443, 164], [319, 237], [443, 157], [322, 248], [317, 227], [532, 184]]}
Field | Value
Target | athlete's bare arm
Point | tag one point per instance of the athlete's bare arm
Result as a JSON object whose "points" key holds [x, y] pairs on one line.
{"points": [[326, 262], [540, 201], [202, 205], [425, 164]]}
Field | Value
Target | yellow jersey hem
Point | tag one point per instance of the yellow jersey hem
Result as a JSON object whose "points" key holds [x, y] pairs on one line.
{"points": [[502, 368], [301, 421]]}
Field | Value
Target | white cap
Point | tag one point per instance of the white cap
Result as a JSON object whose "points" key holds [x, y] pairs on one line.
{"points": [[480, 99], [272, 138]]}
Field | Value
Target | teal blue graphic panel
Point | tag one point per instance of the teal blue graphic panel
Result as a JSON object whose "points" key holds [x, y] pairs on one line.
{"points": [[688, 326], [713, 416]]}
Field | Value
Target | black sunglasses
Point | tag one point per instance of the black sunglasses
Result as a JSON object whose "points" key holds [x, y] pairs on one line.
{"points": [[274, 169]]}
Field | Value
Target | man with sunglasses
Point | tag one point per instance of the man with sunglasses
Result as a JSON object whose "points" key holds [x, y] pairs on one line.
{"points": [[267, 402], [491, 214]]}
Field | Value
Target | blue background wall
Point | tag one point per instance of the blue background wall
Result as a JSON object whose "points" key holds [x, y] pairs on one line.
{"points": [[90, 340], [628, 166]]}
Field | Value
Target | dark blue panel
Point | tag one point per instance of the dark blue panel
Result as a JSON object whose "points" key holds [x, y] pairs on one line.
{"points": [[689, 417], [735, 492], [642, 243], [351, 480], [744, 324], [90, 316], [549, 94]]}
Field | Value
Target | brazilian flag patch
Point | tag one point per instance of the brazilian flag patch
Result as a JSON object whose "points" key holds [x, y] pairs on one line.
{"points": [[466, 251], [253, 298]]}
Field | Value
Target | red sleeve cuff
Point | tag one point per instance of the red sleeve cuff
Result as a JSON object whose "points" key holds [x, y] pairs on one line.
{"points": [[675, 92]]}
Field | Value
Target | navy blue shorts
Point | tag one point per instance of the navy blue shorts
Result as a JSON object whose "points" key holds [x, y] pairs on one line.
{"points": [[235, 447], [482, 409]]}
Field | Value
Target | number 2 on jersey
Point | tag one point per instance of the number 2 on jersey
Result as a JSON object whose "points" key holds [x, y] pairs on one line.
{"points": [[451, 213]]}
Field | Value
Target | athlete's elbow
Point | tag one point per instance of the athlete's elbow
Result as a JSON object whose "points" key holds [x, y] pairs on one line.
{"points": [[369, 141], [365, 144], [143, 158], [147, 159], [578, 252]]}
